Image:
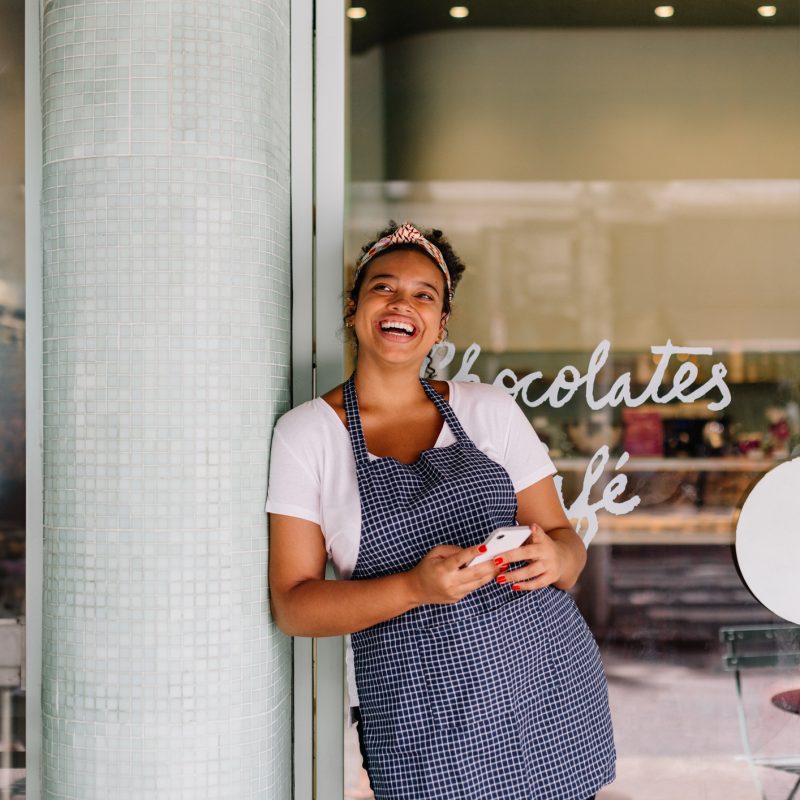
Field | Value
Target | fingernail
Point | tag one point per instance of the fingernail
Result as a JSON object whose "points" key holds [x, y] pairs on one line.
{"points": [[482, 548], [516, 587], [501, 578], [504, 568], [498, 561]]}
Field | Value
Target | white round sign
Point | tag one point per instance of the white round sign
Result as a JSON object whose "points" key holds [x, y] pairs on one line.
{"points": [[768, 540]]}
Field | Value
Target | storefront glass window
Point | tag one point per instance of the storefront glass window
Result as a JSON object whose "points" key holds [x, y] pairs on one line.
{"points": [[627, 203]]}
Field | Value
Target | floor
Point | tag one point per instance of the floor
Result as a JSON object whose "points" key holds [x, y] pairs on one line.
{"points": [[677, 730]]}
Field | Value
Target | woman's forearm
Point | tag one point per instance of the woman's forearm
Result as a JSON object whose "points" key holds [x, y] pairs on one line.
{"points": [[337, 607], [574, 555], [305, 604]]}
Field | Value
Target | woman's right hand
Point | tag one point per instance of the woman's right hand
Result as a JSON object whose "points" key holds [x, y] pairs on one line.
{"points": [[443, 577]]}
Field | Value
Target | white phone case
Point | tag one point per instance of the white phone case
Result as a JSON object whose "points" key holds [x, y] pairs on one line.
{"points": [[502, 540]]}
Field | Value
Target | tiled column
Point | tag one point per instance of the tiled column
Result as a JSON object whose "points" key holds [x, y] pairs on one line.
{"points": [[166, 361]]}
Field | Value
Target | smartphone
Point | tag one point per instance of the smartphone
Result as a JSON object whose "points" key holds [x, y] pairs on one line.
{"points": [[502, 540]]}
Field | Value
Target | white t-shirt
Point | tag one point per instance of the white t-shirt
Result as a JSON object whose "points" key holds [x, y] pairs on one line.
{"points": [[313, 471]]}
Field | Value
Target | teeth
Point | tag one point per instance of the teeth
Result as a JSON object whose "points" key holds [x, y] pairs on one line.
{"points": [[397, 326]]}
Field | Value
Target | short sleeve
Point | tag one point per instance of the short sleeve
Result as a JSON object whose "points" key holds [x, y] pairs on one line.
{"points": [[525, 458], [293, 490]]}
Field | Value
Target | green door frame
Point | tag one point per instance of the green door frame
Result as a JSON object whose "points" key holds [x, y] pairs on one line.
{"points": [[34, 480], [318, 196]]}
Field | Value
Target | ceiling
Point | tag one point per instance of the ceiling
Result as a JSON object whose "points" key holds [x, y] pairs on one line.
{"points": [[389, 20]]}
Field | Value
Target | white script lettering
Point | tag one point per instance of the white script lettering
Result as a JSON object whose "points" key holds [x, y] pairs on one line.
{"points": [[581, 513], [564, 387], [569, 379]]}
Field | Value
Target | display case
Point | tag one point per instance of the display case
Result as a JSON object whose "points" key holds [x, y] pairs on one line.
{"points": [[667, 570]]}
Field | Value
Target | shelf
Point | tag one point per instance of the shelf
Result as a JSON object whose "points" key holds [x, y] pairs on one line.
{"points": [[676, 537], [634, 464], [641, 527]]}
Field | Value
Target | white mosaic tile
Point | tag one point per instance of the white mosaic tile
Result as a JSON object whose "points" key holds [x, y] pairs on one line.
{"points": [[166, 362]]}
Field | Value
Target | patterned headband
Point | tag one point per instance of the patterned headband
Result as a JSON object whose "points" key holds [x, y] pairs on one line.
{"points": [[407, 234]]}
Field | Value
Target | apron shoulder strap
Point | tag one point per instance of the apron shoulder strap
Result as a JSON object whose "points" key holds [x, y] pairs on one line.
{"points": [[446, 410], [354, 423]]}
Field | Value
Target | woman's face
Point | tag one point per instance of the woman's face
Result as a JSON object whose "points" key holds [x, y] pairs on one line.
{"points": [[399, 314]]}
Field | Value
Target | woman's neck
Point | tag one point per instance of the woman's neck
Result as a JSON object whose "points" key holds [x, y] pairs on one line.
{"points": [[387, 388]]}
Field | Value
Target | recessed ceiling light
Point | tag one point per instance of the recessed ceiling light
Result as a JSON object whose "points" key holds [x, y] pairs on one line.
{"points": [[664, 11], [768, 11], [459, 12], [356, 12]]}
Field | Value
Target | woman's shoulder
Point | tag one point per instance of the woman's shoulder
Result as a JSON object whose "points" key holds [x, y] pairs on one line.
{"points": [[334, 400], [483, 409], [305, 419], [485, 395]]}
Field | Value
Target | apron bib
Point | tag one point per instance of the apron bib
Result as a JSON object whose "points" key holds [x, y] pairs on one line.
{"points": [[500, 695]]}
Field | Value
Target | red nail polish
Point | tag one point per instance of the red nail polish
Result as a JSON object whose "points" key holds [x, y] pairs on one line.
{"points": [[498, 561], [482, 548], [516, 587], [504, 568], [501, 578]]}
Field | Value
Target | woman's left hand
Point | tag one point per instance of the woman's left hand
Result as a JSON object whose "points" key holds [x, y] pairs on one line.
{"points": [[555, 553], [546, 560]]}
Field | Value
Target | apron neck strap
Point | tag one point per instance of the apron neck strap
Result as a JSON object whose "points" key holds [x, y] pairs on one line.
{"points": [[354, 422], [357, 432], [446, 410]]}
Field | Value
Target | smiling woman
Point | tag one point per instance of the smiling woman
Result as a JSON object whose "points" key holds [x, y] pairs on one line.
{"points": [[466, 680], [400, 302], [406, 238]]}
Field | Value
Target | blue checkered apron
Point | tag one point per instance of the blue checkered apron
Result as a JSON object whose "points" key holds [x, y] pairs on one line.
{"points": [[501, 695]]}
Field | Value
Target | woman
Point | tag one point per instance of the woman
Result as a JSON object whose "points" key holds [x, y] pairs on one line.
{"points": [[471, 681]]}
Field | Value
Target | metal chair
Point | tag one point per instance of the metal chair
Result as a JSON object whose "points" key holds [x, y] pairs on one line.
{"points": [[762, 646]]}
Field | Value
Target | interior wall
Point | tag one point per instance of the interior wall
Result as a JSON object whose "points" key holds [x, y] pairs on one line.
{"points": [[12, 275], [529, 104], [12, 161], [560, 266], [367, 130], [632, 181]]}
